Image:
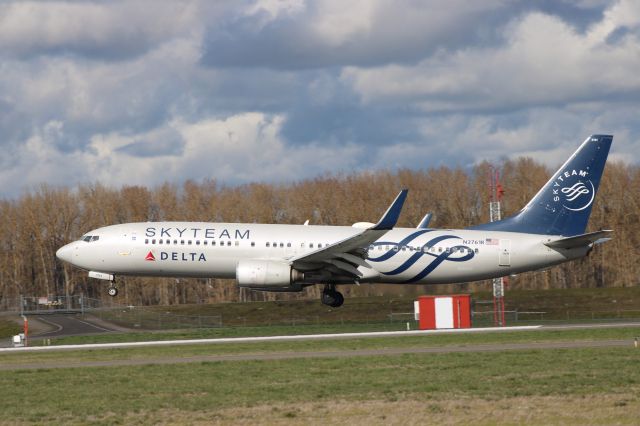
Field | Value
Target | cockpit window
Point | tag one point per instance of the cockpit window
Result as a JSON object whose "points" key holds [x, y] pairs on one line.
{"points": [[95, 238], [89, 238]]}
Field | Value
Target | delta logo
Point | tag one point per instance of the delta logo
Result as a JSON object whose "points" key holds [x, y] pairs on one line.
{"points": [[177, 257]]}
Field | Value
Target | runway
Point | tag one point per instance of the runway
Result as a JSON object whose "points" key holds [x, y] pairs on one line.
{"points": [[69, 325], [324, 354], [267, 339]]}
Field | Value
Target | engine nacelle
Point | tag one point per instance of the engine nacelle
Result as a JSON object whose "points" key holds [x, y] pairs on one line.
{"points": [[268, 275]]}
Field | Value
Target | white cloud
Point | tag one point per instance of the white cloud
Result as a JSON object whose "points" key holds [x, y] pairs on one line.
{"points": [[238, 149], [146, 91], [114, 29], [337, 21], [544, 61]]}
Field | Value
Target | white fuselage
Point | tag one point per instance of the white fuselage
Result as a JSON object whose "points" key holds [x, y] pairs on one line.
{"points": [[402, 255]]}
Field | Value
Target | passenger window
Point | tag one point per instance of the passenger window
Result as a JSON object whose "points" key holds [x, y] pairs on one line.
{"points": [[268, 245], [182, 242], [476, 250], [310, 245], [229, 243], [237, 243], [213, 243], [146, 241], [153, 241], [189, 242], [288, 244], [253, 243], [281, 244], [205, 242], [197, 242]]}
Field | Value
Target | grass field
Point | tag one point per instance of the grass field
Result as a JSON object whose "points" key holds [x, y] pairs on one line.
{"points": [[564, 386], [556, 303], [437, 340], [548, 305], [9, 328]]}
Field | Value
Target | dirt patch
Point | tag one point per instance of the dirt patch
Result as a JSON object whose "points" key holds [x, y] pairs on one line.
{"points": [[619, 409]]}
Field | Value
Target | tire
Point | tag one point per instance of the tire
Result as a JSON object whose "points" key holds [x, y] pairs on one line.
{"points": [[332, 298], [113, 291], [338, 299]]}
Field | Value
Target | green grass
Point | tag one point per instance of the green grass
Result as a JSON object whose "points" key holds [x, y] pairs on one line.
{"points": [[108, 393], [208, 391], [211, 333], [8, 328], [566, 304], [622, 333]]}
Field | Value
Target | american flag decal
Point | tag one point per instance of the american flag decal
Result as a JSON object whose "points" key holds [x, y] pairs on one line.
{"points": [[491, 241]]}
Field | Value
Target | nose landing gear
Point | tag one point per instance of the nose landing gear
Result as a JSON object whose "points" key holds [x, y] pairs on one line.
{"points": [[331, 297], [113, 290]]}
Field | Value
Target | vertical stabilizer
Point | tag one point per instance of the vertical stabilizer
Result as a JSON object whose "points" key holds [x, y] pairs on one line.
{"points": [[563, 205]]}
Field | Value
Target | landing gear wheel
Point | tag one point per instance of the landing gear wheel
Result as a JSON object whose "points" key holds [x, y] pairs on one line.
{"points": [[113, 291], [331, 297], [339, 300]]}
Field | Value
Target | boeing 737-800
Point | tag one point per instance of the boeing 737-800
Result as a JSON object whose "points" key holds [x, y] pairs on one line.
{"points": [[549, 230]]}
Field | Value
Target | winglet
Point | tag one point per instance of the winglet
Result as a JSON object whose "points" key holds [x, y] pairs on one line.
{"points": [[424, 223], [390, 217]]}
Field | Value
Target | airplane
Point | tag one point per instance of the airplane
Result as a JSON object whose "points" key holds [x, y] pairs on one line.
{"points": [[548, 231]]}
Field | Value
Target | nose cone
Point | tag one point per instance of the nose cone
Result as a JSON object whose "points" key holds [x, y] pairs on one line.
{"points": [[65, 253]]}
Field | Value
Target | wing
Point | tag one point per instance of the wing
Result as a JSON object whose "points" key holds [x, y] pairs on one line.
{"points": [[344, 257]]}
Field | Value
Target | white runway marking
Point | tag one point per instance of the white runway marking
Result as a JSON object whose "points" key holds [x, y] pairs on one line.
{"points": [[266, 339]]}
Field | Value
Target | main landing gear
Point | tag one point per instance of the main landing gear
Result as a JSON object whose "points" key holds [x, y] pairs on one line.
{"points": [[331, 297], [113, 290]]}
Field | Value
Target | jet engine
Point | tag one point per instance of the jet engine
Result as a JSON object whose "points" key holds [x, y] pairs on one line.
{"points": [[268, 275]]}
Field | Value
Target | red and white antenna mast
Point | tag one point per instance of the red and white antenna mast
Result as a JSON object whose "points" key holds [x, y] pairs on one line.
{"points": [[495, 199]]}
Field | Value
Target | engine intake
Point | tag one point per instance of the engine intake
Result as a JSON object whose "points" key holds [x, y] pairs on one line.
{"points": [[268, 275]]}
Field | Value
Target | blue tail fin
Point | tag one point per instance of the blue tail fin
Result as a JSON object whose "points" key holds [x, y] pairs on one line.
{"points": [[563, 205]]}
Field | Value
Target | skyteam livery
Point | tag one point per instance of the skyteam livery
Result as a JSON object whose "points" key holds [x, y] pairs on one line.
{"points": [[549, 230]]}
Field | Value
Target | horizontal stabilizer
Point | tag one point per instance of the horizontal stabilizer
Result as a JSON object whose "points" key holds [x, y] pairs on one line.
{"points": [[581, 240]]}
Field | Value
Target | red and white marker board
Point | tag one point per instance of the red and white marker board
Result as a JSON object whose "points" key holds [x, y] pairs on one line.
{"points": [[435, 312]]}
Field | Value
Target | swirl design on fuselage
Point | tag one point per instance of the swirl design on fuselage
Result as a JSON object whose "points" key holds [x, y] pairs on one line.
{"points": [[452, 254]]}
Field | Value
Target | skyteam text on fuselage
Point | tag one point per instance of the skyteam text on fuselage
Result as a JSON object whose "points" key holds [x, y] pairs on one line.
{"points": [[549, 230]]}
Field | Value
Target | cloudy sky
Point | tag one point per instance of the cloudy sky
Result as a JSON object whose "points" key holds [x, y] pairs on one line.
{"points": [[141, 92]]}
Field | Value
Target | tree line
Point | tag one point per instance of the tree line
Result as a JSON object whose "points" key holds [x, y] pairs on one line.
{"points": [[36, 224]]}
